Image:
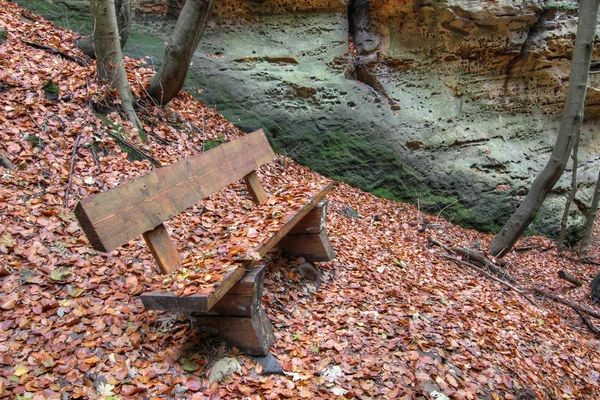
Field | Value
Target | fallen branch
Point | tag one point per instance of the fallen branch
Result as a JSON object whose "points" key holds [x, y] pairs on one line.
{"points": [[476, 257], [492, 277], [71, 170], [567, 302], [587, 322], [52, 50], [5, 162], [136, 149], [569, 278], [529, 248]]}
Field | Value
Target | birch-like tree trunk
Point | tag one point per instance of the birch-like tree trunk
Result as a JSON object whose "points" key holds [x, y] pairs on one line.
{"points": [[109, 61], [169, 79], [570, 129], [123, 10], [589, 221]]}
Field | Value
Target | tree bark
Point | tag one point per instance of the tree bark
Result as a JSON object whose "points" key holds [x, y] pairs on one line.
{"points": [[570, 197], [123, 10], [589, 221], [570, 128], [169, 79], [109, 64]]}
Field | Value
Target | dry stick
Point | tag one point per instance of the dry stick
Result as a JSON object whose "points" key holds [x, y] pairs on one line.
{"points": [[52, 50], [569, 278], [587, 322], [528, 248], [492, 277], [71, 170], [95, 157], [136, 149], [566, 302], [475, 256]]}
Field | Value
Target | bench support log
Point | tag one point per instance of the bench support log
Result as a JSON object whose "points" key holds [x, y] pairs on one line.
{"points": [[255, 188], [162, 248], [239, 316], [309, 238]]}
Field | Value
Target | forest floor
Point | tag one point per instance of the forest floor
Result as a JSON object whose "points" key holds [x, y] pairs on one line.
{"points": [[391, 318]]}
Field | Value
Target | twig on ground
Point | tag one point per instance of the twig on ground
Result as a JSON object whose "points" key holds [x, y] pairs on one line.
{"points": [[587, 322], [38, 125], [476, 257], [135, 148], [95, 157], [528, 248], [52, 50], [71, 170], [492, 277], [567, 302]]}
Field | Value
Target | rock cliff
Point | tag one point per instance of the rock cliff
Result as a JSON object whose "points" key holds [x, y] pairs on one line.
{"points": [[453, 103]]}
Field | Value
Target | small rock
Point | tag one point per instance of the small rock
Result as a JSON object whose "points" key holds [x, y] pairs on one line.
{"points": [[270, 365], [223, 369], [308, 271]]}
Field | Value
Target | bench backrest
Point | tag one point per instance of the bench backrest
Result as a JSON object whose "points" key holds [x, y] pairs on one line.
{"points": [[140, 206]]}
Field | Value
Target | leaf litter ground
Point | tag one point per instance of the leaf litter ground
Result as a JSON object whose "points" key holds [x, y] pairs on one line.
{"points": [[391, 317]]}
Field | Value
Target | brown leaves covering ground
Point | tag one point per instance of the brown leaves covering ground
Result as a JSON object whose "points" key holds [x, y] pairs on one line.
{"points": [[391, 318]]}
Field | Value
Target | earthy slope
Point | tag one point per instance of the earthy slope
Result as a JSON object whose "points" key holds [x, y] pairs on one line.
{"points": [[392, 317]]}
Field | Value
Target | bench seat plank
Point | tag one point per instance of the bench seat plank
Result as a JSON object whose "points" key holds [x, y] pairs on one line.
{"points": [[116, 216], [158, 300]]}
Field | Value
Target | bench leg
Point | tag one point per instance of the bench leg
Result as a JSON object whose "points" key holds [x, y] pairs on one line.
{"points": [[309, 238], [253, 336], [312, 246], [239, 316]]}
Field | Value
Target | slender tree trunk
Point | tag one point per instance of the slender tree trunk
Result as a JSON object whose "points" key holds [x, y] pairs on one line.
{"points": [[109, 63], [123, 9], [570, 128], [589, 221], [169, 79], [570, 197]]}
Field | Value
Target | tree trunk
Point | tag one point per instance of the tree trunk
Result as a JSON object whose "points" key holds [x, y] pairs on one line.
{"points": [[595, 286], [123, 9], [570, 128], [109, 64], [589, 221], [169, 79], [570, 197]]}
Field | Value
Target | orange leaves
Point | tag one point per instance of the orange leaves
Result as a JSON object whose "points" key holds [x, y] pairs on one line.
{"points": [[389, 319]]}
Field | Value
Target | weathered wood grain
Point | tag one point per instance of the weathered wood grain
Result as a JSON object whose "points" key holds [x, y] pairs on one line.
{"points": [[204, 303], [114, 217], [313, 222], [162, 248], [312, 246], [255, 188]]}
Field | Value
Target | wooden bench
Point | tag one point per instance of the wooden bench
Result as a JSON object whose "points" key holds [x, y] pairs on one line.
{"points": [[233, 303]]}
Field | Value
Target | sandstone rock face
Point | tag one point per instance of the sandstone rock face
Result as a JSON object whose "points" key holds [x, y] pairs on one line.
{"points": [[452, 103]]}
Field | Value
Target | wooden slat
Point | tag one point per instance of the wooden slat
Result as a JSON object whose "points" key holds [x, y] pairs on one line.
{"points": [[204, 303], [162, 248], [255, 188], [114, 217], [194, 303], [293, 220]]}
